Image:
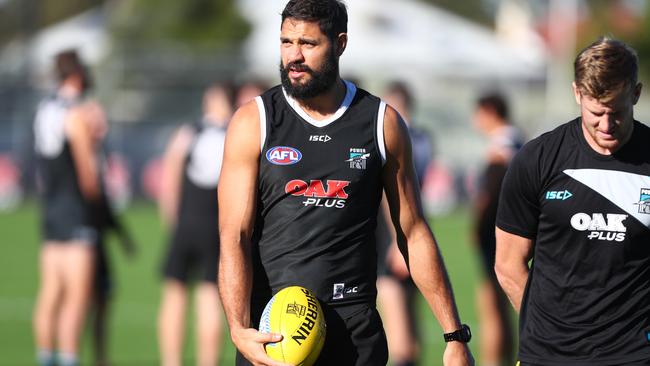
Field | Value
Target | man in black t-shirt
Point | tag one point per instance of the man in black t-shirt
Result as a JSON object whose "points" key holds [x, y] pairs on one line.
{"points": [[304, 168], [576, 201]]}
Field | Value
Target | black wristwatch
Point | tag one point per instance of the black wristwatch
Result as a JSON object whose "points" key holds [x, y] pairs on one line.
{"points": [[464, 334]]}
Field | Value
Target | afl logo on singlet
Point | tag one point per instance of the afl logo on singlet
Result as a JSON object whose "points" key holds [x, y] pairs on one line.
{"points": [[283, 155]]}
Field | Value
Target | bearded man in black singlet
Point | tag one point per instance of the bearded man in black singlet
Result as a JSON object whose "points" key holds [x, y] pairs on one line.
{"points": [[303, 173]]}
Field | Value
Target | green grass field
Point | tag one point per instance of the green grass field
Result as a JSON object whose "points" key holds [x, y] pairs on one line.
{"points": [[137, 289]]}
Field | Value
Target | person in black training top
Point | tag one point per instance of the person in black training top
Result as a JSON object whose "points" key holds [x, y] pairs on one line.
{"points": [[303, 172], [68, 131], [491, 118], [188, 206], [577, 201]]}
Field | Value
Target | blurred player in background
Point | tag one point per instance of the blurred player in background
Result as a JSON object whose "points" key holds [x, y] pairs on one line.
{"points": [[491, 118], [69, 129], [188, 207], [248, 90], [576, 200], [397, 293]]}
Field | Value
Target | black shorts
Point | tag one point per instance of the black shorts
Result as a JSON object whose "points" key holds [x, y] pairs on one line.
{"points": [[70, 222], [70, 232], [355, 337], [193, 254], [487, 247]]}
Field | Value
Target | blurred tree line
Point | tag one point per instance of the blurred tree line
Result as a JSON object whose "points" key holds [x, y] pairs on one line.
{"points": [[200, 23], [203, 23], [21, 18], [627, 20], [480, 11], [216, 23]]}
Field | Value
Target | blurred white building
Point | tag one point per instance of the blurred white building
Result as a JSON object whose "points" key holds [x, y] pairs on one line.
{"points": [[405, 39], [85, 32]]}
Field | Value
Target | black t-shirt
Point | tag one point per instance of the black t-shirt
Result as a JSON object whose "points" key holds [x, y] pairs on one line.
{"points": [[319, 192], [587, 300]]}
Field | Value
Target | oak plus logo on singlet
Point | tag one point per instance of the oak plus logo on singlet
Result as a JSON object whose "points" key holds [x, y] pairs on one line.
{"points": [[607, 227], [330, 193]]}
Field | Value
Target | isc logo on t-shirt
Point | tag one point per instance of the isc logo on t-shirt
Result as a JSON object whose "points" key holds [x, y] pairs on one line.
{"points": [[558, 195]]}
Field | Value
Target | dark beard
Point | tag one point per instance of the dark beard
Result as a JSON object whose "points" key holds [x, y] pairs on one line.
{"points": [[320, 81]]}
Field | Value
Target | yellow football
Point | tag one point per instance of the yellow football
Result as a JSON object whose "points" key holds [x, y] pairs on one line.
{"points": [[295, 313]]}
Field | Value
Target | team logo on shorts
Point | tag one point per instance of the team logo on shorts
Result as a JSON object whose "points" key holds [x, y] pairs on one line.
{"points": [[283, 155], [340, 291], [644, 201], [358, 158]]}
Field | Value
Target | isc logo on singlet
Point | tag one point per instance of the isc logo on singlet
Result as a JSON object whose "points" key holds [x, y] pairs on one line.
{"points": [[608, 227]]}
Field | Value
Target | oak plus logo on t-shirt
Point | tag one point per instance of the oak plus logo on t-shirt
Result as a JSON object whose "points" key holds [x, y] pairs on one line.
{"points": [[607, 227]]}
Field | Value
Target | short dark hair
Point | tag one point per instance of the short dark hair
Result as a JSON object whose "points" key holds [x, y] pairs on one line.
{"points": [[331, 15], [605, 68], [400, 88], [68, 64], [495, 102]]}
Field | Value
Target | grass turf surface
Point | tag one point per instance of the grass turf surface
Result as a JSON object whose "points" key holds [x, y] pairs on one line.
{"points": [[137, 289]]}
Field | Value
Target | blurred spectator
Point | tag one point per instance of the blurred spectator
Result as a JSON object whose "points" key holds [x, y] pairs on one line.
{"points": [[396, 290], [188, 206], [11, 193], [491, 117]]}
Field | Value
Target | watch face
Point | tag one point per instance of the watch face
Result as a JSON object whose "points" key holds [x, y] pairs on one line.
{"points": [[465, 333]]}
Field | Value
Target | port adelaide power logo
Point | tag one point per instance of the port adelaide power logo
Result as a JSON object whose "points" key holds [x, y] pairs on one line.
{"points": [[644, 201], [358, 158]]}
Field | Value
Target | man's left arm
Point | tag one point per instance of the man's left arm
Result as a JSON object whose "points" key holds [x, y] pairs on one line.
{"points": [[414, 237]]}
